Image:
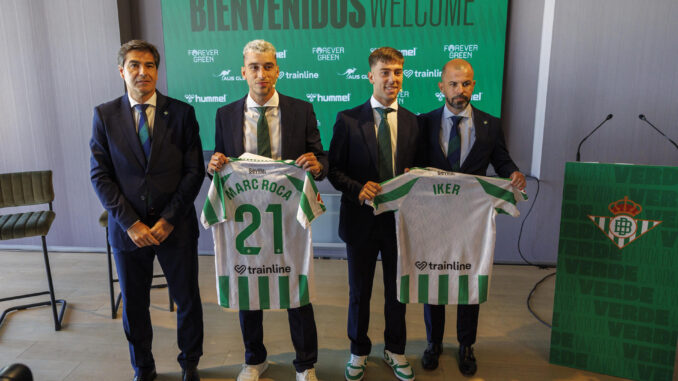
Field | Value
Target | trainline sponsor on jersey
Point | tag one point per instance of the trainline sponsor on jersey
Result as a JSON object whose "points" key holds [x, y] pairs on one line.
{"points": [[260, 212], [445, 224]]}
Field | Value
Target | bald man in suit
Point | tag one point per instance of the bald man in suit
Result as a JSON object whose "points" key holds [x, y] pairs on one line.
{"points": [[461, 138]]}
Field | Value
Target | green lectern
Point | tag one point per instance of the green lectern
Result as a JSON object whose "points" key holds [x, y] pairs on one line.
{"points": [[616, 297]]}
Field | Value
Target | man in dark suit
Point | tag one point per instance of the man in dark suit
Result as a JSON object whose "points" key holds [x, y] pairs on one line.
{"points": [[270, 124], [147, 169], [463, 139], [373, 143]]}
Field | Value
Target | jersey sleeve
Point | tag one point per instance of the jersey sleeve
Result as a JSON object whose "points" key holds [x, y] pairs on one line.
{"points": [[214, 210], [504, 196], [310, 203], [393, 193]]}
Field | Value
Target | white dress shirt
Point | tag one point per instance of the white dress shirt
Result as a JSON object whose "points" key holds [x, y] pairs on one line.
{"points": [[273, 119]]}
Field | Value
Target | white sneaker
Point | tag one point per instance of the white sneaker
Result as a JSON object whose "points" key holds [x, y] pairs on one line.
{"points": [[307, 375], [355, 368], [252, 372], [401, 368]]}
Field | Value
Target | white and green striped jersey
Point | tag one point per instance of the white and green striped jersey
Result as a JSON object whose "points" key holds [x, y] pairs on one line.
{"points": [[260, 213], [446, 232]]}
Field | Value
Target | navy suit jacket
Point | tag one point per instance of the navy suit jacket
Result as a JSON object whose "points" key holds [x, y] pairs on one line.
{"points": [[488, 148], [353, 162], [298, 130], [130, 189]]}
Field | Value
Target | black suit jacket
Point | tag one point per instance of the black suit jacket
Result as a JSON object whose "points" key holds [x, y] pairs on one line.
{"points": [[298, 130], [131, 190], [353, 162], [488, 148]]}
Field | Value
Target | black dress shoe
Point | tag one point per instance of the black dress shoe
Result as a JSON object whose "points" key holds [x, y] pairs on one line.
{"points": [[190, 374], [430, 358], [467, 362], [149, 376]]}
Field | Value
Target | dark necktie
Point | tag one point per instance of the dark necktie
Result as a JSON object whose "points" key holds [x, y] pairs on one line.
{"points": [[385, 159], [454, 144], [143, 131], [263, 135]]}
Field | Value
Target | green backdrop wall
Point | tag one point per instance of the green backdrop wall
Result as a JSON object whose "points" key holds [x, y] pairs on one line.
{"points": [[323, 47]]}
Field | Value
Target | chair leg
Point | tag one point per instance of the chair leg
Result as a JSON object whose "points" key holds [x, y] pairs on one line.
{"points": [[114, 305], [57, 320]]}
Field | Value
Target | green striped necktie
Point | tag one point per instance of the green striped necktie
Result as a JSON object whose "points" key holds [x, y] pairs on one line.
{"points": [[144, 131], [384, 149], [263, 135]]}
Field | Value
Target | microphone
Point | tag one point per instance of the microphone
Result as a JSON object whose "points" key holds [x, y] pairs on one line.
{"points": [[644, 119], [608, 117]]}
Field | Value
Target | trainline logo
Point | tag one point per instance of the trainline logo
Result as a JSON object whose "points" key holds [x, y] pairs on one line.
{"points": [[298, 75], [320, 98], [261, 270], [456, 266], [623, 228], [190, 98]]}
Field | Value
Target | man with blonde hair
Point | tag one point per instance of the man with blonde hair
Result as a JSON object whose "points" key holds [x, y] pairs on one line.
{"points": [[270, 124]]}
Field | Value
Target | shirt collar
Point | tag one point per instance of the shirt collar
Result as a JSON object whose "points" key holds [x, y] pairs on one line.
{"points": [[376, 104], [151, 101], [273, 102], [465, 113]]}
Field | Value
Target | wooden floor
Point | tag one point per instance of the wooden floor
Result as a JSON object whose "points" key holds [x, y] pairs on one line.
{"points": [[512, 345]]}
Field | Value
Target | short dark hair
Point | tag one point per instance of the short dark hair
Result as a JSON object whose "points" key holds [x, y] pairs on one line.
{"points": [[137, 45], [385, 54]]}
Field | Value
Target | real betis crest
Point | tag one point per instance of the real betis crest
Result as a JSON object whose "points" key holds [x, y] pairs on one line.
{"points": [[623, 228]]}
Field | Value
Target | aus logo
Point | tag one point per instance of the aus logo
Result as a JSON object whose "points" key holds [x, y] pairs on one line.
{"points": [[224, 74], [350, 73]]}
